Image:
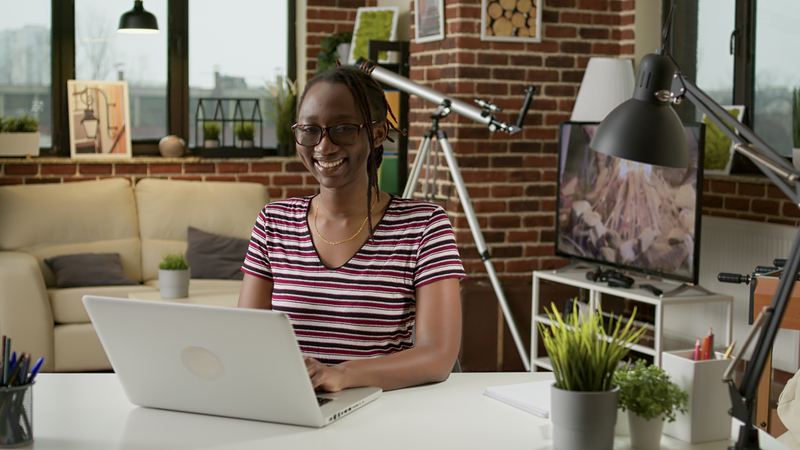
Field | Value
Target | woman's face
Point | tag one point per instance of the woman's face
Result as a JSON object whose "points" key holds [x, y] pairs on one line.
{"points": [[334, 166]]}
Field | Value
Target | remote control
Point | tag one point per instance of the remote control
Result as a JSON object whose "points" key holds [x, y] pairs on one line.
{"points": [[656, 291]]}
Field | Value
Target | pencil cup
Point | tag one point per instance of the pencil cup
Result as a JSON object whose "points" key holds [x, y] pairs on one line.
{"points": [[16, 416], [709, 401]]}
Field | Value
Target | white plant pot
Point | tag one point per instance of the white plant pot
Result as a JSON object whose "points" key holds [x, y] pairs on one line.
{"points": [[645, 434], [246, 143], [19, 144], [174, 283], [211, 143]]}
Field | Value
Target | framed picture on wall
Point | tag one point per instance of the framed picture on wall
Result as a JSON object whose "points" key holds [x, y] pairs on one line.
{"points": [[373, 24], [428, 20], [99, 119], [511, 20]]}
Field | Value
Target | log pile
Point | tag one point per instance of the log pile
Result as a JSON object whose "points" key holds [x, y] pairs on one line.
{"points": [[511, 18]]}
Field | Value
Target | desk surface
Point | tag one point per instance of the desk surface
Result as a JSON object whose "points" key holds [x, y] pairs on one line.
{"points": [[90, 411]]}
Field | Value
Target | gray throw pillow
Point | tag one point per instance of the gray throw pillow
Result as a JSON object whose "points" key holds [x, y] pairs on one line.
{"points": [[88, 269], [214, 256]]}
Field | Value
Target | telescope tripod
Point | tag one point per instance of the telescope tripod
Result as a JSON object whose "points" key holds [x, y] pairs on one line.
{"points": [[423, 157]]}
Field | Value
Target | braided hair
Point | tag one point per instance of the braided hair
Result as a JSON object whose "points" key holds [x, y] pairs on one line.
{"points": [[372, 106]]}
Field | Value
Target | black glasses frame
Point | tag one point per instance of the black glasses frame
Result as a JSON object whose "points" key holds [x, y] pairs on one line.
{"points": [[327, 130]]}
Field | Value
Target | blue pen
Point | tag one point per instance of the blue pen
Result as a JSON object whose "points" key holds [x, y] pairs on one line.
{"points": [[35, 369]]}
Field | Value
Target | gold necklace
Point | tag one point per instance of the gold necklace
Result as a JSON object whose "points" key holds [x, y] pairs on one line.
{"points": [[316, 210]]}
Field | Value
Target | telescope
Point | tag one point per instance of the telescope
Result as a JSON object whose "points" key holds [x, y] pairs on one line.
{"points": [[481, 115]]}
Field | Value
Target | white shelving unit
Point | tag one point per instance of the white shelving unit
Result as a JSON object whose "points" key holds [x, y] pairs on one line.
{"points": [[596, 290]]}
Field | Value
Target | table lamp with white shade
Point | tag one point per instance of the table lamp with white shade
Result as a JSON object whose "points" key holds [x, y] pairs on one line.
{"points": [[606, 83]]}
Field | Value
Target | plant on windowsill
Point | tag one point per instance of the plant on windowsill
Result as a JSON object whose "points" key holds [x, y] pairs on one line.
{"points": [[650, 398], [245, 132], [335, 46], [211, 134], [19, 136], [174, 275], [282, 100], [584, 357]]}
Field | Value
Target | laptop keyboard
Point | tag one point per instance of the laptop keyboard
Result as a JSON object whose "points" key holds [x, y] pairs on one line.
{"points": [[321, 400]]}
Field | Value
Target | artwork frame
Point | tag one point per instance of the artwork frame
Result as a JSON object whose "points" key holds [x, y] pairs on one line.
{"points": [[501, 23], [716, 161], [428, 20], [101, 108], [370, 25]]}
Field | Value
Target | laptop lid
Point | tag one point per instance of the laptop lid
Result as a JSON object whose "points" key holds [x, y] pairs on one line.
{"points": [[232, 362]]}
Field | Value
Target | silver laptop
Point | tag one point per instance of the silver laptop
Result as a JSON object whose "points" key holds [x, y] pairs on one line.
{"points": [[231, 362]]}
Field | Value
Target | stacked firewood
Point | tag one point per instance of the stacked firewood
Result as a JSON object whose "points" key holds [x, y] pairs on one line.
{"points": [[511, 18]]}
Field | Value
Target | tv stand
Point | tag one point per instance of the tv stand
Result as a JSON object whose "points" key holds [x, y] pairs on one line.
{"points": [[596, 292]]}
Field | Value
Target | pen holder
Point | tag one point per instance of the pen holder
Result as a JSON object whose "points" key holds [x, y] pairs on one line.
{"points": [[16, 416], [707, 418]]}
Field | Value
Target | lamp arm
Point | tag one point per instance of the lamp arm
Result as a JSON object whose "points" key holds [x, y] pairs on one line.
{"points": [[769, 161], [773, 165]]}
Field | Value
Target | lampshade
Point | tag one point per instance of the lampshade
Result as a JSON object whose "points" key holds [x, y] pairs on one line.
{"points": [[138, 21], [645, 128], [606, 83]]}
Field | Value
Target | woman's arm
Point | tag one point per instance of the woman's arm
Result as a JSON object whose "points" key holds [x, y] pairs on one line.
{"points": [[256, 293], [438, 340]]}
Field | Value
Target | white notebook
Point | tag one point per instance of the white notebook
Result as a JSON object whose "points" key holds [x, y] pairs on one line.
{"points": [[533, 397]]}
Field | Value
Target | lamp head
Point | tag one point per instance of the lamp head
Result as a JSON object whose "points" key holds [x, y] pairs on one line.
{"points": [[645, 128], [138, 21]]}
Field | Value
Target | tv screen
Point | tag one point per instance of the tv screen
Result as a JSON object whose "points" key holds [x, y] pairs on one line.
{"points": [[630, 216]]}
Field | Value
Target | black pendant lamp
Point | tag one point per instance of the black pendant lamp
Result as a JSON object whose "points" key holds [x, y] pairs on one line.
{"points": [[138, 21]]}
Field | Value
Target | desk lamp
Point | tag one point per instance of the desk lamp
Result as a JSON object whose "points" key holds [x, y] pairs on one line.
{"points": [[646, 129]]}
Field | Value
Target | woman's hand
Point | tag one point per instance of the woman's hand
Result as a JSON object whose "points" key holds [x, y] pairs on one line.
{"points": [[326, 378]]}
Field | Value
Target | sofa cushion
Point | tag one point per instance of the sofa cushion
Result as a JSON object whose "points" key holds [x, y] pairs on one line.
{"points": [[214, 256], [67, 304], [88, 269], [167, 208], [60, 219]]}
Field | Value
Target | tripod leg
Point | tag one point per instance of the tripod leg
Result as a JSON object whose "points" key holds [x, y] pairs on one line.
{"points": [[481, 243], [424, 147]]}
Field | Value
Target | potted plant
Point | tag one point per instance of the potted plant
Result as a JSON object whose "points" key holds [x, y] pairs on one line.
{"points": [[211, 134], [282, 100], [335, 46], [584, 356], [19, 136], [173, 276], [650, 398], [245, 132]]}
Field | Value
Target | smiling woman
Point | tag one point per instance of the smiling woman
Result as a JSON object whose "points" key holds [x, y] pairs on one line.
{"points": [[375, 267]]}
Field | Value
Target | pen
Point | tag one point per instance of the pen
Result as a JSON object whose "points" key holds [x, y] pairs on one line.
{"points": [[696, 355], [35, 369], [6, 351], [729, 350], [710, 344]]}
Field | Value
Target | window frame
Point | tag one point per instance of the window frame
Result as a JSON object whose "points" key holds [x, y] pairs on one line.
{"points": [[62, 25]]}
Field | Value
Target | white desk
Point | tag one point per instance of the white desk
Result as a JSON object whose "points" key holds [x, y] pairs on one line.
{"points": [[90, 411], [218, 297]]}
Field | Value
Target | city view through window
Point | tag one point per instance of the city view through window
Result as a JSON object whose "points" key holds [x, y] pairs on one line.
{"points": [[231, 55]]}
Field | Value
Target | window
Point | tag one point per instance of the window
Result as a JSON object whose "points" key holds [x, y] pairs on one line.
{"points": [[25, 64], [740, 52], [44, 43]]}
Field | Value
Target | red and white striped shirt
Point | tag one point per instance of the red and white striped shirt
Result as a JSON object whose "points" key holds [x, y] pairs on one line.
{"points": [[366, 307]]}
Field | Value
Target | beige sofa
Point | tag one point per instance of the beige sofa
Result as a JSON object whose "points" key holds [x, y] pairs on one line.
{"points": [[140, 223]]}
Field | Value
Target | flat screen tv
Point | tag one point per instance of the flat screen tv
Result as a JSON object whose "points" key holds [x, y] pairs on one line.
{"points": [[630, 216]]}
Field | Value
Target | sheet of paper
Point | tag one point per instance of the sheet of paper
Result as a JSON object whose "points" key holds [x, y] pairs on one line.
{"points": [[533, 397]]}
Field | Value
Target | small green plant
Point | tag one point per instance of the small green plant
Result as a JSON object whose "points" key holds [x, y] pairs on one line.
{"points": [[211, 131], [796, 117], [282, 101], [648, 391], [583, 355], [21, 124], [328, 54], [245, 131], [173, 261]]}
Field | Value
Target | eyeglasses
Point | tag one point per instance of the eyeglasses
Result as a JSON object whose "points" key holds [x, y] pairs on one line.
{"points": [[340, 134]]}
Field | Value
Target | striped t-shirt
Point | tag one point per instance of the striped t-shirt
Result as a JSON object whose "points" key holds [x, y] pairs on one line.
{"points": [[366, 307]]}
